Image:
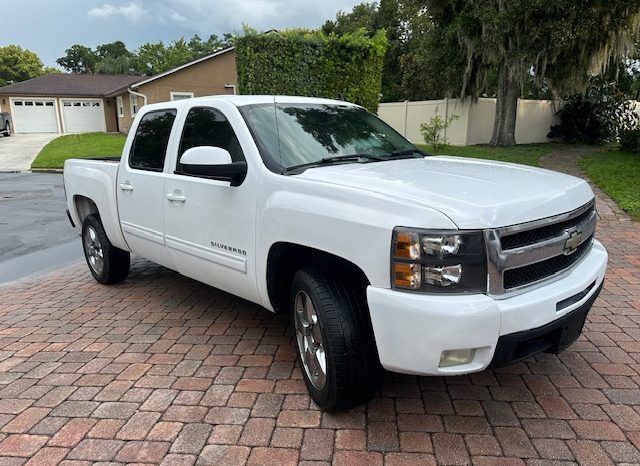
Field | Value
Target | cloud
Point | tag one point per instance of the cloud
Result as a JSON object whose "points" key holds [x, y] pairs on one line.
{"points": [[132, 12], [206, 16]]}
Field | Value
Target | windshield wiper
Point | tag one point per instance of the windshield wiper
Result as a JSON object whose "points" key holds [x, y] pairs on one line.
{"points": [[335, 159], [415, 153]]}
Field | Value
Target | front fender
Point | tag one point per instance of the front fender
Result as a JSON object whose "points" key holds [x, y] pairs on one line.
{"points": [[354, 225]]}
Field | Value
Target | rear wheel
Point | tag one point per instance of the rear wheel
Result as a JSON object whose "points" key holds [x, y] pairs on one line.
{"points": [[335, 346], [107, 263], [7, 129]]}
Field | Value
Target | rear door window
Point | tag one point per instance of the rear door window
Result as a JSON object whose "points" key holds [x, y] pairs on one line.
{"points": [[149, 147]]}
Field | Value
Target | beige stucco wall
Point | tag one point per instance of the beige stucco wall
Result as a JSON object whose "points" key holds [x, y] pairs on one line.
{"points": [[475, 119], [205, 78]]}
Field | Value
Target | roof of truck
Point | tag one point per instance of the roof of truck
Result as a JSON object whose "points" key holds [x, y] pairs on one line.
{"points": [[242, 100]]}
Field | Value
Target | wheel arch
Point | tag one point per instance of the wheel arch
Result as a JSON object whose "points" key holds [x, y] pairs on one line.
{"points": [[84, 207], [285, 258]]}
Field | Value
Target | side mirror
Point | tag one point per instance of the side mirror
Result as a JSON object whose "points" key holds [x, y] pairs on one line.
{"points": [[213, 163]]}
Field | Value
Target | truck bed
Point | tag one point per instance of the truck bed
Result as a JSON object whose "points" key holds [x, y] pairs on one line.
{"points": [[95, 179]]}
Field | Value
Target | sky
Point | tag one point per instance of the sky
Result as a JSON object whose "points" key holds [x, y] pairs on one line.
{"points": [[48, 27]]}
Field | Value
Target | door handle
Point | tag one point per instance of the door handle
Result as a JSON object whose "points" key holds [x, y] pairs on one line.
{"points": [[126, 186], [175, 197]]}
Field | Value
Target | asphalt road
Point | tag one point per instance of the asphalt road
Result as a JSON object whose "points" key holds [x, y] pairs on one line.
{"points": [[35, 234]]}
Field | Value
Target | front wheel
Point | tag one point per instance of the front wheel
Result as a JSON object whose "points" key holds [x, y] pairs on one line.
{"points": [[107, 263], [336, 351]]}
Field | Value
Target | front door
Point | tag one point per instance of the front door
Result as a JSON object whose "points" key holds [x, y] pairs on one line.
{"points": [[209, 224], [140, 187]]}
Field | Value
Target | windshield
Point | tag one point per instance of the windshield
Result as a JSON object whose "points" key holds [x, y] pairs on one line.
{"points": [[289, 135]]}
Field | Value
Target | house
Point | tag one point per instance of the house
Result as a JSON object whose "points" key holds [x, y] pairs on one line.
{"points": [[79, 103]]}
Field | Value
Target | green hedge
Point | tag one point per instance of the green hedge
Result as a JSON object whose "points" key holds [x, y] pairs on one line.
{"points": [[311, 63]]}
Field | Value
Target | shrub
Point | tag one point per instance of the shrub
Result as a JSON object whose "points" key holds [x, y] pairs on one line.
{"points": [[311, 63], [630, 140], [597, 116], [434, 131]]}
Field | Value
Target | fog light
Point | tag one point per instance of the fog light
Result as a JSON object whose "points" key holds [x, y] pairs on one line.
{"points": [[456, 357], [443, 276]]}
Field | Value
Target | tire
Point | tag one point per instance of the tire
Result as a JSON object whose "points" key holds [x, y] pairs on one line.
{"points": [[107, 263], [7, 130], [345, 340]]}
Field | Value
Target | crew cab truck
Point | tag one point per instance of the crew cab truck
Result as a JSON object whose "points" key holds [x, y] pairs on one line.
{"points": [[382, 255]]}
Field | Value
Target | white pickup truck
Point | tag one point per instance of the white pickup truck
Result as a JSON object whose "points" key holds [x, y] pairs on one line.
{"points": [[382, 255]]}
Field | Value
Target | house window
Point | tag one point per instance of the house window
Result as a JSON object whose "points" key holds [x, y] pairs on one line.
{"points": [[133, 105], [181, 95], [120, 106]]}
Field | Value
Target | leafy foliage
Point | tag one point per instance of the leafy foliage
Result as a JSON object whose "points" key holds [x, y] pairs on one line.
{"points": [[630, 140], [598, 115], [78, 59], [562, 40], [434, 131], [373, 18], [312, 63], [150, 58], [18, 64]]}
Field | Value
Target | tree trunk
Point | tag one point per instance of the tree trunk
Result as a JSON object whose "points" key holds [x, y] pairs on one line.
{"points": [[504, 127]]}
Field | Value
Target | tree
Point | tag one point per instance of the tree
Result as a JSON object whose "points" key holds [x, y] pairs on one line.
{"points": [[156, 57], [116, 65], [115, 49], [78, 59], [151, 58], [363, 15], [432, 64], [561, 40], [200, 48], [388, 18], [18, 64]]}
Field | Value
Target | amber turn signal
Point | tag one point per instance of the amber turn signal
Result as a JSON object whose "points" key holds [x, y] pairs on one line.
{"points": [[407, 275], [406, 246]]}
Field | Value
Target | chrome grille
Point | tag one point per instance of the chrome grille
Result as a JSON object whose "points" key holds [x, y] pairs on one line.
{"points": [[527, 237], [520, 256]]}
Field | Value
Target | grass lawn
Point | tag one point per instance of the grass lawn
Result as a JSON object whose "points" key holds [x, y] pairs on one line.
{"points": [[526, 154], [618, 174], [72, 146]]}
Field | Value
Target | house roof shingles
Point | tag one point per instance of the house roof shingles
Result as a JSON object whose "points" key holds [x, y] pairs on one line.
{"points": [[65, 84]]}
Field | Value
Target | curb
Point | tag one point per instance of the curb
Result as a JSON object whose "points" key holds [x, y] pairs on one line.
{"points": [[45, 170]]}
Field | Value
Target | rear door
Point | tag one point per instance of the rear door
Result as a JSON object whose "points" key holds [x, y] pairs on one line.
{"points": [[210, 225], [140, 187]]}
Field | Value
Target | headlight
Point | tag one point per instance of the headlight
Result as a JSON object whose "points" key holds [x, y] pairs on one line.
{"points": [[438, 261]]}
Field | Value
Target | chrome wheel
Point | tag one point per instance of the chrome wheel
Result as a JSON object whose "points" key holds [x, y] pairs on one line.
{"points": [[93, 250], [310, 343]]}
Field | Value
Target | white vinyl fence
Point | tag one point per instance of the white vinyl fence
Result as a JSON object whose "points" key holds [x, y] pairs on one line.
{"points": [[475, 122]]}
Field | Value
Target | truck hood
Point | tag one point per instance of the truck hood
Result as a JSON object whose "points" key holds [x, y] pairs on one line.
{"points": [[473, 193]]}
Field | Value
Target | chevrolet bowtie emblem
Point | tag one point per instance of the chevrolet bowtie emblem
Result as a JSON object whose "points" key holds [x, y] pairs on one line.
{"points": [[570, 246]]}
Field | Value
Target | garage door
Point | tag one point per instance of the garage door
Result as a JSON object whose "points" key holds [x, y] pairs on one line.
{"points": [[34, 116], [83, 116]]}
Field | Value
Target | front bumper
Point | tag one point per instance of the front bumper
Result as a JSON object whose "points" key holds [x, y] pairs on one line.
{"points": [[412, 330]]}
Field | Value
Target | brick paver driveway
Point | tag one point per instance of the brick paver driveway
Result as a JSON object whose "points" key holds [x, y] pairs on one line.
{"points": [[163, 369]]}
